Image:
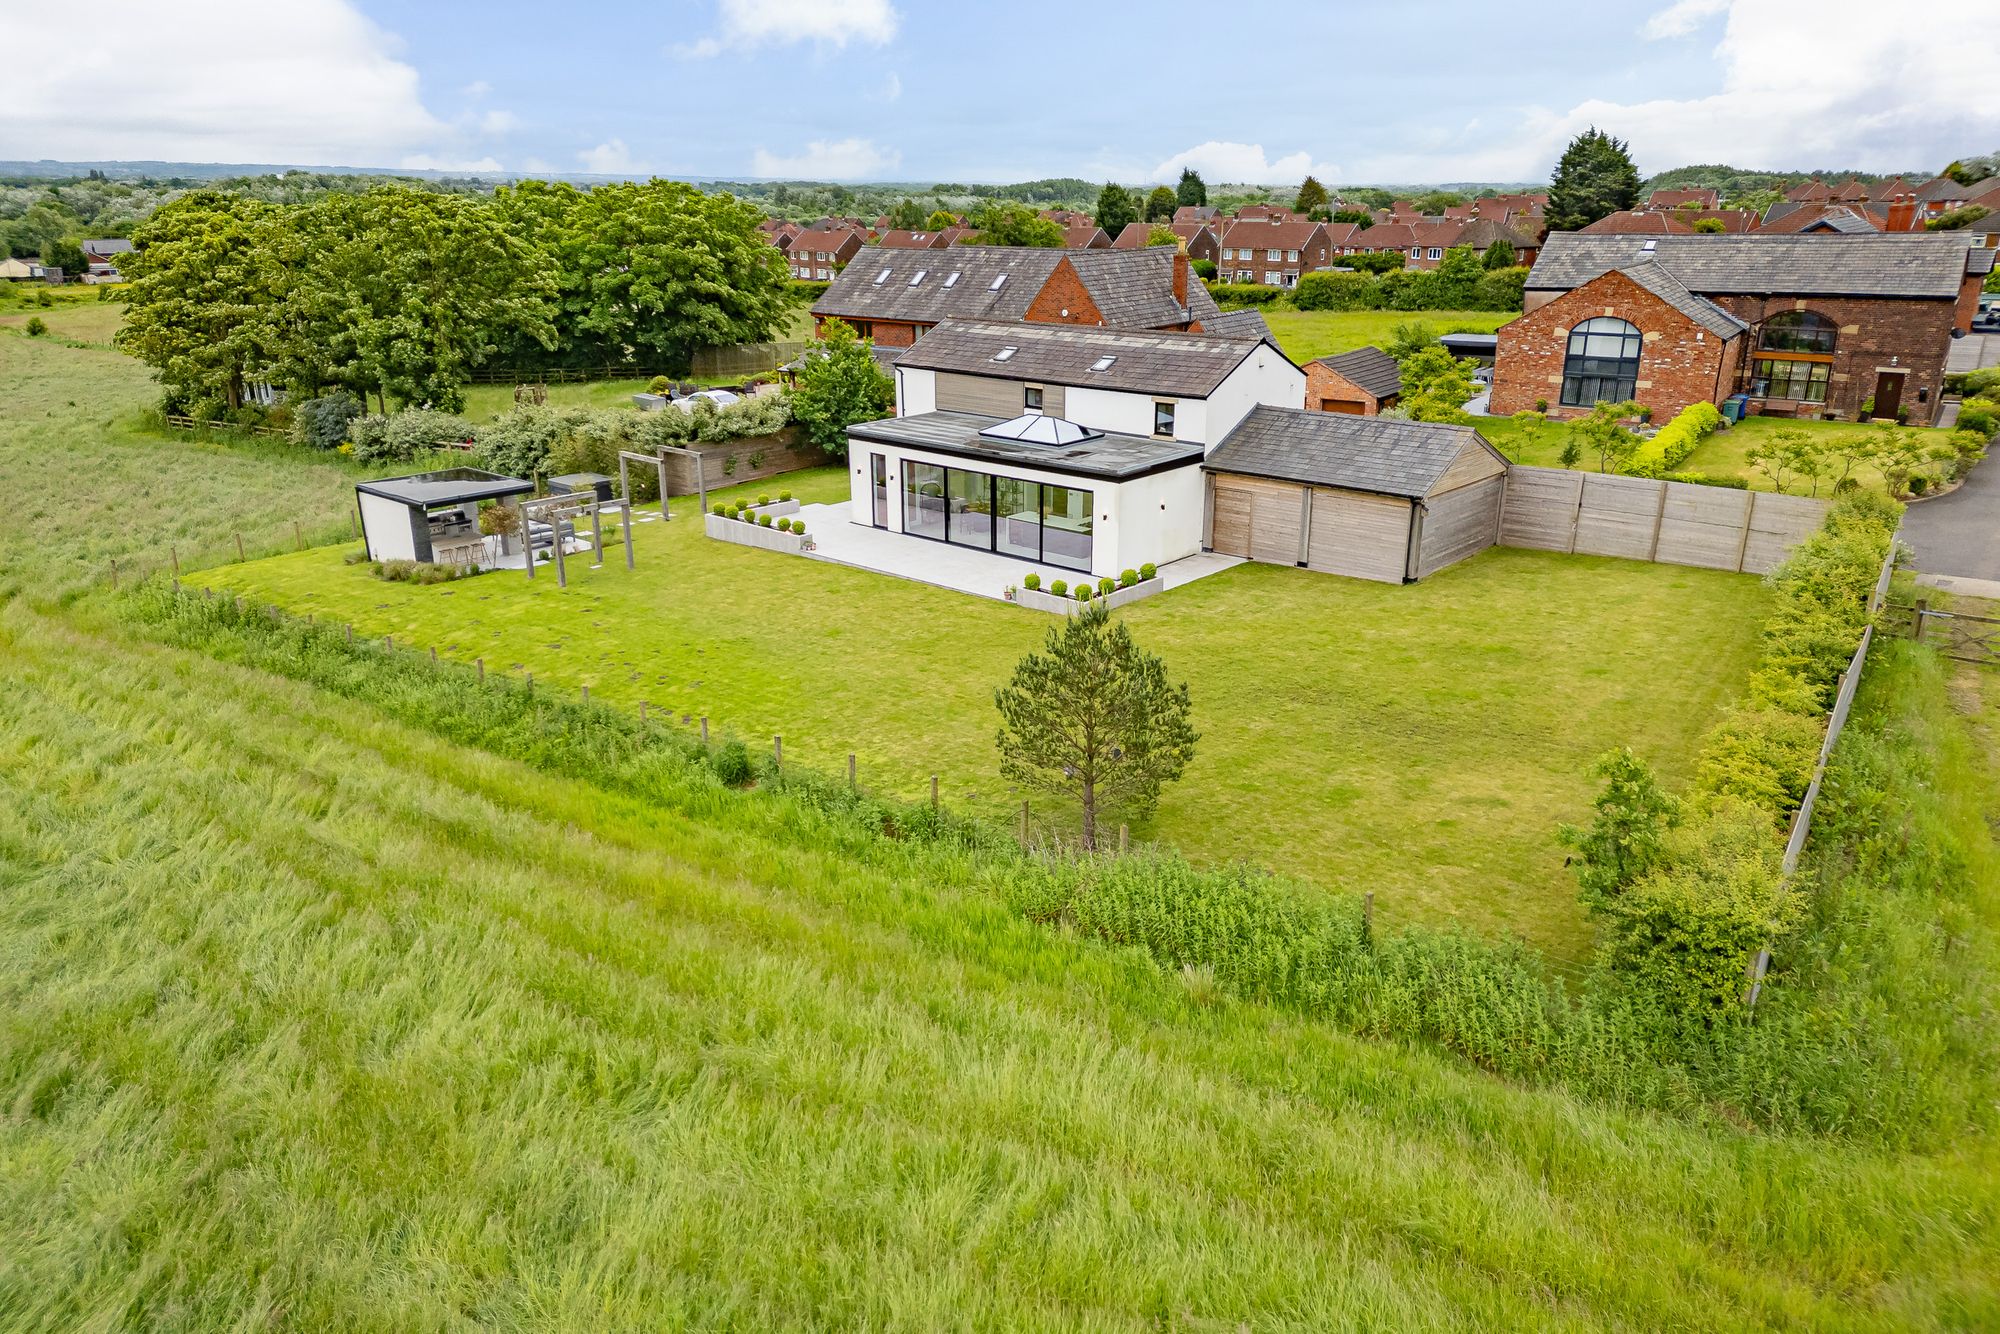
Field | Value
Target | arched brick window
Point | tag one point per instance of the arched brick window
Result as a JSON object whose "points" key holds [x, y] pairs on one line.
{"points": [[1798, 331], [1602, 365], [1794, 358]]}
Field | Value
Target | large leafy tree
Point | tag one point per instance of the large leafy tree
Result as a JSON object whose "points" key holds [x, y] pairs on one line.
{"points": [[1436, 386], [840, 385], [1594, 179], [203, 290], [1116, 208], [1093, 719], [1312, 195], [1192, 190], [1160, 205], [908, 215], [1015, 224]]}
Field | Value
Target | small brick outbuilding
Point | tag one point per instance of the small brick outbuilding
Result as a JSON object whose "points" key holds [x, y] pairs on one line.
{"points": [[1359, 383]]}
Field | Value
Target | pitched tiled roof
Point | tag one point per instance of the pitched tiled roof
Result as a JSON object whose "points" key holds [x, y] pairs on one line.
{"points": [[1185, 365], [1662, 283], [1262, 232], [1133, 289], [1245, 323], [1369, 368], [1638, 222], [1909, 265], [898, 239], [1702, 198], [1085, 235], [1938, 189], [1378, 454], [1808, 192], [1134, 236], [1194, 213]]}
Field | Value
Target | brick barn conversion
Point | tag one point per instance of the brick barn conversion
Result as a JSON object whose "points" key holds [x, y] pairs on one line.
{"points": [[1801, 326]]}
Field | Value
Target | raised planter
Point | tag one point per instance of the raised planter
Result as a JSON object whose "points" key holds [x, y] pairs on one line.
{"points": [[650, 402], [777, 509], [754, 534], [1039, 600]]}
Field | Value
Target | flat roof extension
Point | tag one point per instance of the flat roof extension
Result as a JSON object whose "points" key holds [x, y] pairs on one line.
{"points": [[1112, 458], [447, 486]]}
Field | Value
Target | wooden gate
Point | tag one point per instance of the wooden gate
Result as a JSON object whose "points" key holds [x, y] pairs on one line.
{"points": [[1956, 634]]}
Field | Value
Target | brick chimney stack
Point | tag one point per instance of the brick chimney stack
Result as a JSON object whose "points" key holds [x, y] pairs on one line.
{"points": [[1902, 214], [1181, 278]]}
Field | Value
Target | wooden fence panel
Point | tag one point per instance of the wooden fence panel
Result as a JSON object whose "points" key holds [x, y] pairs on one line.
{"points": [[1777, 524], [1540, 511], [1702, 526], [1618, 516]]}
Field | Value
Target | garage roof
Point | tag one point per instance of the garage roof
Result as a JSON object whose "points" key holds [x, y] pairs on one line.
{"points": [[1378, 454], [1369, 369]]}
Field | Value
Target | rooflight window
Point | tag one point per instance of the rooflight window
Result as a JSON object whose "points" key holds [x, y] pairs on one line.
{"points": [[951, 279], [881, 277], [1102, 363], [1006, 353], [918, 276], [998, 282]]}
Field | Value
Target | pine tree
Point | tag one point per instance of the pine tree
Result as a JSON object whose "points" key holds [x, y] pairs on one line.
{"points": [[1192, 192], [1312, 195], [1094, 720], [1116, 209], [1595, 178]]}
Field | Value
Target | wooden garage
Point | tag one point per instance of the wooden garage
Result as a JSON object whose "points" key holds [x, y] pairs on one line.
{"points": [[1361, 496]]}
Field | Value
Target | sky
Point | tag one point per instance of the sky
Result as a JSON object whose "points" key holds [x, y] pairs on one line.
{"points": [[1365, 91]]}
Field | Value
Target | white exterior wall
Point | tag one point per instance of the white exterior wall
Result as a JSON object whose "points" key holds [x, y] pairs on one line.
{"points": [[388, 524], [1130, 527], [916, 391], [1264, 377]]}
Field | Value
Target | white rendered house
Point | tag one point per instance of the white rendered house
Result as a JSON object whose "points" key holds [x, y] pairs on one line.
{"points": [[1062, 446]]}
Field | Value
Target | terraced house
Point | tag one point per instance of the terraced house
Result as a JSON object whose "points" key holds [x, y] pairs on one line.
{"points": [[1837, 326], [1273, 251]]}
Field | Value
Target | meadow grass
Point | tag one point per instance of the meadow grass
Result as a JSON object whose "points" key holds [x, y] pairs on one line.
{"points": [[314, 1018], [1306, 335], [1421, 742]]}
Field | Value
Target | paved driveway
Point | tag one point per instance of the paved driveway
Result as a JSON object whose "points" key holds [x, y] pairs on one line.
{"points": [[1959, 534], [1972, 352]]}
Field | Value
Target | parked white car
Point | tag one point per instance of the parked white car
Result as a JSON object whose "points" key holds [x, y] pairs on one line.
{"points": [[722, 398]]}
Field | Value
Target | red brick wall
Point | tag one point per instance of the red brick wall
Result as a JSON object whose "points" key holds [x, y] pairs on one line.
{"points": [[1674, 368], [1064, 291], [1874, 331]]}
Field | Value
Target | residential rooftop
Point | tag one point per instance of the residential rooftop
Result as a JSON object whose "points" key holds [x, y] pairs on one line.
{"points": [[1918, 265], [1187, 365], [1107, 455], [1376, 454]]}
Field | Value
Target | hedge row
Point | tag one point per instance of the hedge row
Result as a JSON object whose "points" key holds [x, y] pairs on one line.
{"points": [[1672, 444]]}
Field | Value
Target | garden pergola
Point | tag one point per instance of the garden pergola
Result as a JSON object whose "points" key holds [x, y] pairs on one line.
{"points": [[554, 510]]}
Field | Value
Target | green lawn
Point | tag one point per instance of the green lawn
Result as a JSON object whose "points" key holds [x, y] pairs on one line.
{"points": [[1721, 455], [1307, 335], [314, 1020], [1419, 741]]}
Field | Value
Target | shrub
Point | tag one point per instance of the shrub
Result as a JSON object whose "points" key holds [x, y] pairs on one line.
{"points": [[1106, 584], [1127, 578], [321, 423], [1337, 291], [763, 521], [764, 499], [1084, 592], [1244, 294], [1919, 484], [1060, 588], [784, 496], [1031, 580], [36, 326], [798, 528], [1707, 479], [1204, 269], [731, 763], [415, 431], [1981, 415], [1148, 570], [659, 384], [422, 572], [720, 510], [1679, 438]]}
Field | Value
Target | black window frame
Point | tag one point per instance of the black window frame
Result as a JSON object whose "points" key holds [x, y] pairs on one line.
{"points": [[1031, 398], [909, 468], [1585, 377], [1163, 406], [1799, 331]]}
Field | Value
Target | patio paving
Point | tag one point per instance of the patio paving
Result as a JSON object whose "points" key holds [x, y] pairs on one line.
{"points": [[980, 573]]}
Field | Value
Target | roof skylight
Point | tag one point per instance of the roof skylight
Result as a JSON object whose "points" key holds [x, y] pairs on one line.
{"points": [[1006, 353], [951, 279], [881, 277], [918, 276], [1103, 363], [999, 281]]}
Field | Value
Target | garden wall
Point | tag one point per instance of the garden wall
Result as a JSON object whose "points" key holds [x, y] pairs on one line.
{"points": [[749, 459], [1642, 518]]}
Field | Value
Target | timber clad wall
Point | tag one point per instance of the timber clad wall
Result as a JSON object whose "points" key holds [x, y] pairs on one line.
{"points": [[991, 397], [1353, 533], [1676, 523], [1459, 523]]}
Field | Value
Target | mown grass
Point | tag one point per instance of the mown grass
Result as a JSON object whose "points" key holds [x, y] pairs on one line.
{"points": [[1421, 742], [313, 1018], [1306, 335]]}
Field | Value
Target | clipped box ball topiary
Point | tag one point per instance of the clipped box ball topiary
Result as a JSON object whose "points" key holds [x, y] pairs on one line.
{"points": [[783, 496], [1083, 592], [1106, 584], [1127, 578], [1031, 580], [1060, 588], [764, 500], [720, 510], [763, 520], [1148, 570]]}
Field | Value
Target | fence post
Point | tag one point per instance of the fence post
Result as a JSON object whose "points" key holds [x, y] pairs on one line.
{"points": [[1368, 916], [298, 538], [350, 632], [850, 771], [586, 694], [934, 792], [1123, 840], [530, 681], [239, 546], [704, 729], [479, 664], [642, 710], [389, 642], [1024, 823], [777, 752], [1754, 976], [114, 572], [174, 553], [434, 655]]}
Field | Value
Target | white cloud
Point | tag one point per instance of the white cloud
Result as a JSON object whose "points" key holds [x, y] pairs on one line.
{"points": [[477, 89], [498, 122], [306, 81], [824, 160], [486, 166], [610, 158], [1683, 17], [746, 24], [1246, 163]]}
